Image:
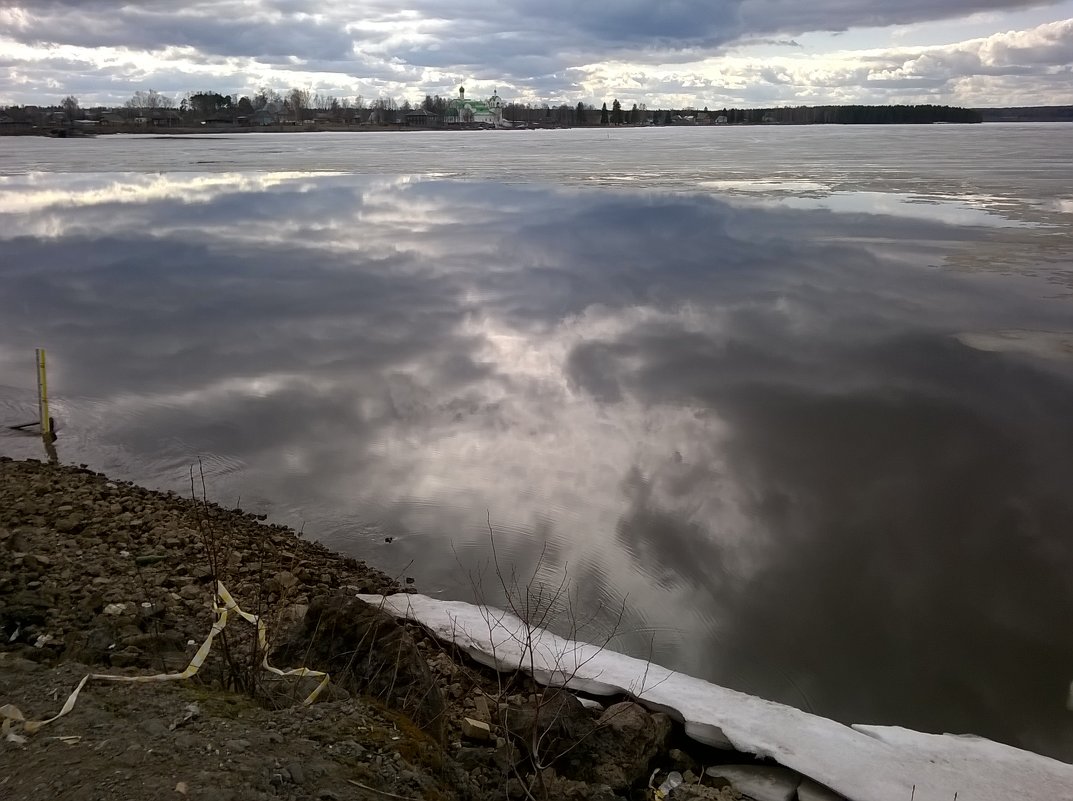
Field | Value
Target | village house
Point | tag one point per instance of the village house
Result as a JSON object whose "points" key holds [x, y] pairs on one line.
{"points": [[264, 116], [158, 117], [419, 118]]}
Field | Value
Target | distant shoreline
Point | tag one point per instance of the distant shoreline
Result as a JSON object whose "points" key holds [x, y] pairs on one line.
{"points": [[61, 124]]}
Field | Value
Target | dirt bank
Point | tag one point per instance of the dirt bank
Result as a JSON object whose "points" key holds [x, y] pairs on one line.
{"points": [[100, 576]]}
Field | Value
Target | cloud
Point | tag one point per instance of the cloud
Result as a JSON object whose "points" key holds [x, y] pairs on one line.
{"points": [[775, 16], [374, 47], [209, 28], [977, 72]]}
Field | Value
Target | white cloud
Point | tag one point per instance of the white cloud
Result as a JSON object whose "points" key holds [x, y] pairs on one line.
{"points": [[687, 53], [1016, 68]]}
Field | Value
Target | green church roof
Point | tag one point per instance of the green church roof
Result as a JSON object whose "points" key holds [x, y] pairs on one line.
{"points": [[476, 106]]}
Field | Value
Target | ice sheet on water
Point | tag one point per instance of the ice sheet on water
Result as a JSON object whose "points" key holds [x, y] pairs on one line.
{"points": [[863, 763]]}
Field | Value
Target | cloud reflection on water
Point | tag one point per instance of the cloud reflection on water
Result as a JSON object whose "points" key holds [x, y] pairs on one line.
{"points": [[766, 426]]}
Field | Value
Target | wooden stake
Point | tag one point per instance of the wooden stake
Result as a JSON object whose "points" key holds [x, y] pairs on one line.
{"points": [[42, 392]]}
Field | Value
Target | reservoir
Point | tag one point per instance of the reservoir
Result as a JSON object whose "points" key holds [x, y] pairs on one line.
{"points": [[784, 408]]}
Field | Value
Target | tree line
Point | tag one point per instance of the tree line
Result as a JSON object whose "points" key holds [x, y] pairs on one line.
{"points": [[852, 115], [299, 106]]}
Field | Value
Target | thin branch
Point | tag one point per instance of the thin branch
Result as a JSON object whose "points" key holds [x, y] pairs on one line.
{"points": [[382, 792]]}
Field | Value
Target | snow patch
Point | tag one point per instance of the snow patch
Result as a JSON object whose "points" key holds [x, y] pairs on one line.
{"points": [[862, 763]]}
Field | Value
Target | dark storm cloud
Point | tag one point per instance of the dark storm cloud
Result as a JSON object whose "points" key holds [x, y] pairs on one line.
{"points": [[836, 15], [512, 39], [639, 22], [208, 28]]}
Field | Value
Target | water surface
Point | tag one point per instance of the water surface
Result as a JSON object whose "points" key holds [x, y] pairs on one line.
{"points": [[802, 413]]}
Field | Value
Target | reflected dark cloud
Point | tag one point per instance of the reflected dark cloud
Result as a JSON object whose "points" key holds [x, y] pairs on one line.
{"points": [[913, 493], [671, 547], [761, 425], [915, 533]]}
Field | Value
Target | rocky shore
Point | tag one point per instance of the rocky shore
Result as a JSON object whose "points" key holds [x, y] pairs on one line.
{"points": [[105, 577]]}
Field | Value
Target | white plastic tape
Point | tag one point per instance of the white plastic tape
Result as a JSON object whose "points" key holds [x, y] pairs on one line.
{"points": [[13, 717]]}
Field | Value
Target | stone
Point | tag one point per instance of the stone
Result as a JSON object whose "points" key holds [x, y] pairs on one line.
{"points": [[476, 729], [292, 614], [559, 787], [701, 792], [296, 773], [480, 709], [809, 790], [18, 664], [35, 561], [282, 582], [760, 782], [71, 524], [128, 657], [471, 758], [557, 721], [237, 746], [631, 737], [191, 742], [682, 761], [128, 629], [150, 559], [190, 592], [130, 758], [20, 541], [148, 610], [27, 606], [154, 727], [366, 652], [92, 647]]}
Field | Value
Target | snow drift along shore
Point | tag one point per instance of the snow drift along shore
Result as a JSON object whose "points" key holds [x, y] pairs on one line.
{"points": [[863, 763]]}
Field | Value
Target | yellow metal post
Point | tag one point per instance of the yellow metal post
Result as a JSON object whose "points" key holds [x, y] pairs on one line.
{"points": [[42, 392]]}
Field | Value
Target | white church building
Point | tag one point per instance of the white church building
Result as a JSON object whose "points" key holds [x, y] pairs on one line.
{"points": [[466, 111]]}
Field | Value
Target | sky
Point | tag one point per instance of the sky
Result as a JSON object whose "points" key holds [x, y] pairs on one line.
{"points": [[670, 53]]}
